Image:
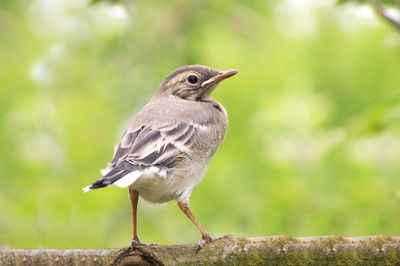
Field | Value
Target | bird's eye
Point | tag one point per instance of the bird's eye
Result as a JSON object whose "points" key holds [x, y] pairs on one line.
{"points": [[192, 79]]}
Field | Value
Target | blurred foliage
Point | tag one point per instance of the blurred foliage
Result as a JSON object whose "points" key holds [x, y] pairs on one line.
{"points": [[385, 2], [313, 146]]}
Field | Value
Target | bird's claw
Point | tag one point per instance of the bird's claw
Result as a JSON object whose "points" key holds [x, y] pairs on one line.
{"points": [[208, 239], [138, 243]]}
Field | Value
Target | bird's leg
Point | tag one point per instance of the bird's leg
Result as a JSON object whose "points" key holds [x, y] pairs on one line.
{"points": [[205, 237], [134, 196]]}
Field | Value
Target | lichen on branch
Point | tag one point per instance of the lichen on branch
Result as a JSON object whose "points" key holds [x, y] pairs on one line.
{"points": [[369, 250]]}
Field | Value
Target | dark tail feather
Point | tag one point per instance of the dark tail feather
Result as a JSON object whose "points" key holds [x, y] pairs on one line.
{"points": [[116, 173]]}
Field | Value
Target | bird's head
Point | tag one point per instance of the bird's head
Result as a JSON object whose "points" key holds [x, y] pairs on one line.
{"points": [[194, 82]]}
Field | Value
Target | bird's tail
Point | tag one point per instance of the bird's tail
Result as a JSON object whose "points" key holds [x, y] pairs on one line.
{"points": [[122, 175]]}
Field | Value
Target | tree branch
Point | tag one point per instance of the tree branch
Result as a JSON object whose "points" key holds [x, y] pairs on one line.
{"points": [[381, 12], [253, 250]]}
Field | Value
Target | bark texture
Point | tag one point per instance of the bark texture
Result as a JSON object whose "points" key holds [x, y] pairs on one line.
{"points": [[275, 250]]}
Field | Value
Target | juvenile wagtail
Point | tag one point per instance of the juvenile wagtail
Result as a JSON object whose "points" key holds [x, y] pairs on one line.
{"points": [[168, 146]]}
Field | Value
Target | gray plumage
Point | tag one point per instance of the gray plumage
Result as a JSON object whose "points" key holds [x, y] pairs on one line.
{"points": [[177, 132], [168, 146]]}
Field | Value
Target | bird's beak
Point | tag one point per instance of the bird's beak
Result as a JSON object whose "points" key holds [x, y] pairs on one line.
{"points": [[219, 77]]}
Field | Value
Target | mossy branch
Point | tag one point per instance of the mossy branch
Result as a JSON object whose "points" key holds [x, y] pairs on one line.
{"points": [[235, 251]]}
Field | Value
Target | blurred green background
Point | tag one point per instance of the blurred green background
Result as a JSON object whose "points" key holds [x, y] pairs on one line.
{"points": [[313, 146]]}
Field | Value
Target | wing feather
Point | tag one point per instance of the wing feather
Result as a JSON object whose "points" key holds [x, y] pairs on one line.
{"points": [[146, 148], [161, 147], [124, 146]]}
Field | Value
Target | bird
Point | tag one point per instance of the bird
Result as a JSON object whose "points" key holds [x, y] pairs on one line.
{"points": [[166, 150]]}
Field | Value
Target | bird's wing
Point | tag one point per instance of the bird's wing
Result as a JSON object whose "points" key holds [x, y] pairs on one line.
{"points": [[155, 146], [139, 149]]}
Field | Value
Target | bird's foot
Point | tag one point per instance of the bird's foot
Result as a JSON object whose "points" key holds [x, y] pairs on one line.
{"points": [[208, 239], [136, 242]]}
